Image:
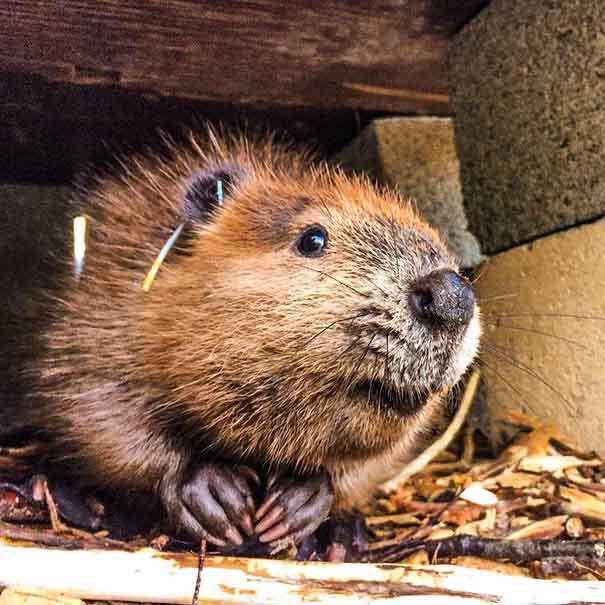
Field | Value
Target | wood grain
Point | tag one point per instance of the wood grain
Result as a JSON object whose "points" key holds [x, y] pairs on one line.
{"points": [[378, 56], [150, 576]]}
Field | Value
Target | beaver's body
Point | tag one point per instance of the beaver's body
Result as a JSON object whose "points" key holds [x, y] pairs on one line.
{"points": [[308, 325]]}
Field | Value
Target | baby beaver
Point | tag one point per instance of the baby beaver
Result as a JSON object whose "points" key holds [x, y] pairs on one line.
{"points": [[304, 325]]}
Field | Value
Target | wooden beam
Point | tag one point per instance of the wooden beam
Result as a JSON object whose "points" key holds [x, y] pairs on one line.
{"points": [[331, 53], [152, 576], [49, 131]]}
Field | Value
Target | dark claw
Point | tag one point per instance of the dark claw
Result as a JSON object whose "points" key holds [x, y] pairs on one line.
{"points": [[245, 472], [268, 502], [294, 510], [214, 503], [270, 519]]}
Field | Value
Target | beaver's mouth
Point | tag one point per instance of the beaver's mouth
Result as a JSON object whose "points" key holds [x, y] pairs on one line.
{"points": [[403, 401]]}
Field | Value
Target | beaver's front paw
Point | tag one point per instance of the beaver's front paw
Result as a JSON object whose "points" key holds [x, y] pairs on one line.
{"points": [[294, 509], [215, 502]]}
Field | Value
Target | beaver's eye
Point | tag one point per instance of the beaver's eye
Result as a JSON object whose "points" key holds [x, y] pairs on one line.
{"points": [[313, 241]]}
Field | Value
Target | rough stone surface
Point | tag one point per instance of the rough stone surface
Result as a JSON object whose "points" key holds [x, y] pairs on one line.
{"points": [[418, 156], [530, 297], [528, 91]]}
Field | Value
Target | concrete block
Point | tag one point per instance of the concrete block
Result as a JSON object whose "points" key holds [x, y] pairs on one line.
{"points": [[528, 89], [544, 331], [418, 156]]}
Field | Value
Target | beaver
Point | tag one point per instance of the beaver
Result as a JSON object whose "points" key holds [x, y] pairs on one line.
{"points": [[305, 326]]}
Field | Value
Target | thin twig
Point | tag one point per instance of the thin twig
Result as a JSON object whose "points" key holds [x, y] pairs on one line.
{"points": [[48, 537], [518, 551], [201, 558]]}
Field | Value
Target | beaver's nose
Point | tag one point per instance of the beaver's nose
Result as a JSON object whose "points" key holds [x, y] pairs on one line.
{"points": [[442, 298]]}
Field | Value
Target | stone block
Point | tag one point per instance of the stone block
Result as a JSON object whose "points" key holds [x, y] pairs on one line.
{"points": [[417, 156], [544, 331], [528, 92]]}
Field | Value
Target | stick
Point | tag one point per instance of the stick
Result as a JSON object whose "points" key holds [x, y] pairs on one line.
{"points": [[518, 551], [433, 450], [49, 537], [201, 558], [151, 576]]}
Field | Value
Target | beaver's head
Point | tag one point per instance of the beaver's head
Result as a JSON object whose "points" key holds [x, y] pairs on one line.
{"points": [[303, 315]]}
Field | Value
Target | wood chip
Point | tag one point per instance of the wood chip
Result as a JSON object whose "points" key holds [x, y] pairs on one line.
{"points": [[549, 464], [516, 480], [545, 529], [574, 527], [578, 502], [460, 513], [499, 566], [469, 529], [511, 456], [418, 558], [477, 494], [488, 522], [400, 519], [441, 533]]}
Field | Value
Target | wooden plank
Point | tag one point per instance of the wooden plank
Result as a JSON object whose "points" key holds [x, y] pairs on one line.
{"points": [[150, 576], [334, 53], [50, 131]]}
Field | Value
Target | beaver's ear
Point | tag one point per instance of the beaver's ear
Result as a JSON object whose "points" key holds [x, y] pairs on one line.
{"points": [[207, 190]]}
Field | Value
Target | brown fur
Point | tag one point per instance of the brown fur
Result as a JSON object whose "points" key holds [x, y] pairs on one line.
{"points": [[243, 349]]}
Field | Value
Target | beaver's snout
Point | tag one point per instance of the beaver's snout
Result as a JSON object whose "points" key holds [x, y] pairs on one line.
{"points": [[442, 299]]}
